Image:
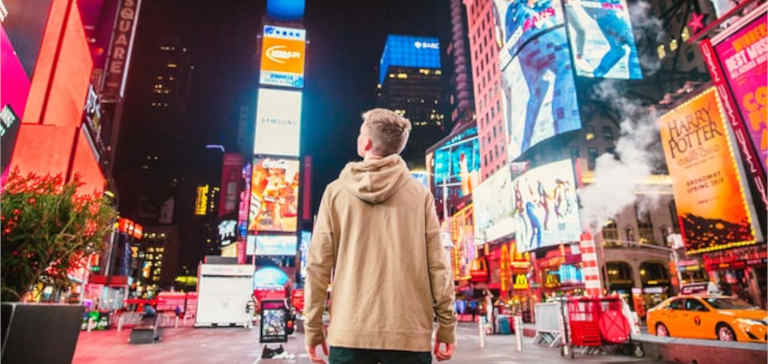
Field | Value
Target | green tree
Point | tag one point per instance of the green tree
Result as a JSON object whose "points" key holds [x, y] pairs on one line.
{"points": [[48, 229]]}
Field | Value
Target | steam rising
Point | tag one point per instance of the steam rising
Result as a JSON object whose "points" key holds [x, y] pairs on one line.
{"points": [[615, 179]]}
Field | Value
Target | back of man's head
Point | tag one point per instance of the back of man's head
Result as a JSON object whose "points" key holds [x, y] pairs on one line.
{"points": [[387, 130]]}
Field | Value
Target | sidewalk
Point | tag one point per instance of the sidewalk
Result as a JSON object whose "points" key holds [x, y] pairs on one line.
{"points": [[240, 346]]}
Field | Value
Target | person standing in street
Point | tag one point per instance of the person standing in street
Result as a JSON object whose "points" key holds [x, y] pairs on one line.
{"points": [[378, 236]]}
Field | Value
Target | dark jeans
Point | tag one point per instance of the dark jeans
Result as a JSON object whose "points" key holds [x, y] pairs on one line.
{"points": [[339, 355]]}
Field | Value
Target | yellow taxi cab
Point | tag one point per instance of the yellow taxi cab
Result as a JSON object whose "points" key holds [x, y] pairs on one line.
{"points": [[708, 317]]}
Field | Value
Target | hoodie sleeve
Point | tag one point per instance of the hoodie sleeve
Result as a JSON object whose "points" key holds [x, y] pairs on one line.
{"points": [[320, 262], [440, 277]]}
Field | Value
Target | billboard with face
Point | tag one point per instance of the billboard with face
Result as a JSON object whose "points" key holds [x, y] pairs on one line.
{"points": [[709, 192], [539, 93], [274, 195], [456, 163], [278, 123], [545, 211], [282, 56], [602, 39]]}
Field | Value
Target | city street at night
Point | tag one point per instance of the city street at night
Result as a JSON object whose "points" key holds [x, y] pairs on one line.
{"points": [[240, 346], [250, 181]]}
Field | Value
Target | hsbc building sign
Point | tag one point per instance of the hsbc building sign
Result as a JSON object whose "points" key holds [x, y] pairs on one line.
{"points": [[120, 46]]}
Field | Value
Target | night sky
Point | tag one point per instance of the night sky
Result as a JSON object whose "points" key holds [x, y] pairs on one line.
{"points": [[346, 41]]}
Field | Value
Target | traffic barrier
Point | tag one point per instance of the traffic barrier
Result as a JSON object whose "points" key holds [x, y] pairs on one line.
{"points": [[548, 323], [696, 351]]}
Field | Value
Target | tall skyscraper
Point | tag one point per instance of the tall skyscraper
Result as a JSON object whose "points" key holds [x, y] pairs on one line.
{"points": [[172, 71], [484, 45], [411, 84], [458, 71]]}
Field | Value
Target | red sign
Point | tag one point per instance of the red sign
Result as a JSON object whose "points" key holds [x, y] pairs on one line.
{"points": [[230, 183]]}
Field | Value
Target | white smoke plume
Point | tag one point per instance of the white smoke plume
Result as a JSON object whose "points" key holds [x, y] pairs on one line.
{"points": [[615, 180]]}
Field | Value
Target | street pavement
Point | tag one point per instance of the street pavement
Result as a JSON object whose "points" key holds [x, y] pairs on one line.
{"points": [[240, 346]]}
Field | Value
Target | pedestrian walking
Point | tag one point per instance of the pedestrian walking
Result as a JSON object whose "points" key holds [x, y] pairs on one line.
{"points": [[377, 231]]}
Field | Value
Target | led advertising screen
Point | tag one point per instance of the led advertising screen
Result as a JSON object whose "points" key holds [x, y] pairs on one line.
{"points": [[232, 163], [708, 188], [602, 39], [463, 237], [282, 56], [227, 232], [456, 163], [274, 195], [493, 207], [409, 51], [544, 207], [245, 201], [744, 56], [272, 245], [520, 21], [539, 93], [306, 240], [278, 123]]}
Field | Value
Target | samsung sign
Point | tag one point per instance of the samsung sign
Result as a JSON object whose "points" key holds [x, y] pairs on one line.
{"points": [[278, 123], [430, 45]]}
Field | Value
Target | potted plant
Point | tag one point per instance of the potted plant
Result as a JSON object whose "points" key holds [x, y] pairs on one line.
{"points": [[48, 229]]}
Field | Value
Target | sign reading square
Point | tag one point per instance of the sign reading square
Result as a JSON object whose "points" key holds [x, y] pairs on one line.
{"points": [[278, 123]]}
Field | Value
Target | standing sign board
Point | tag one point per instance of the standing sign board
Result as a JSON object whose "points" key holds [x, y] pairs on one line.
{"points": [[273, 322]]}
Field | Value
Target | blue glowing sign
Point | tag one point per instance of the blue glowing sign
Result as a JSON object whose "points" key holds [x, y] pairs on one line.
{"points": [[285, 9], [457, 162], [409, 51]]}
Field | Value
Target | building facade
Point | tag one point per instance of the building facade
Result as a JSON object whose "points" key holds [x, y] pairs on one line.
{"points": [[411, 84]]}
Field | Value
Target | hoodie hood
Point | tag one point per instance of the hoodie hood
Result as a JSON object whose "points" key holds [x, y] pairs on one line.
{"points": [[375, 181]]}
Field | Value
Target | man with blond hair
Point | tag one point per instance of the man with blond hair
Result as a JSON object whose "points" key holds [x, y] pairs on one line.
{"points": [[378, 236]]}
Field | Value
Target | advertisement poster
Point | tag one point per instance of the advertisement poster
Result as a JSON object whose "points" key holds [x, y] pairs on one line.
{"points": [[306, 240], [274, 195], [245, 201], [463, 237], [539, 93], [456, 163], [544, 208], [282, 56], [744, 56], [274, 318], [276, 245], [278, 123], [493, 207], [230, 181], [602, 39], [708, 189], [520, 21]]}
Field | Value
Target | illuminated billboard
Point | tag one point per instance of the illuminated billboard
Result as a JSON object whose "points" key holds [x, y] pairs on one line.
{"points": [[455, 163], [709, 192], [274, 195], [201, 201], [409, 51], [602, 39], [744, 55], [282, 56], [463, 237], [492, 201], [520, 21], [278, 123], [545, 211], [306, 240], [539, 93], [272, 245], [286, 9]]}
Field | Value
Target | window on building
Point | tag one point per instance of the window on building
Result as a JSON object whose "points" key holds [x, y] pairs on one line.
{"points": [[644, 226], [591, 158], [610, 232]]}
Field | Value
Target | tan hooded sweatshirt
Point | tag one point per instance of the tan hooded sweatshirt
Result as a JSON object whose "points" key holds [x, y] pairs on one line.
{"points": [[378, 235]]}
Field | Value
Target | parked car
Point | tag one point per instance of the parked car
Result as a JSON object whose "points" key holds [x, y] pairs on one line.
{"points": [[708, 317]]}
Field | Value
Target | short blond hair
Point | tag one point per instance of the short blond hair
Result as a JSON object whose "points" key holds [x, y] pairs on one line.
{"points": [[388, 130]]}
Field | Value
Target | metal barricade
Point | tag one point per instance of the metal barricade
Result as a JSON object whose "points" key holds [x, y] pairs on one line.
{"points": [[548, 323]]}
